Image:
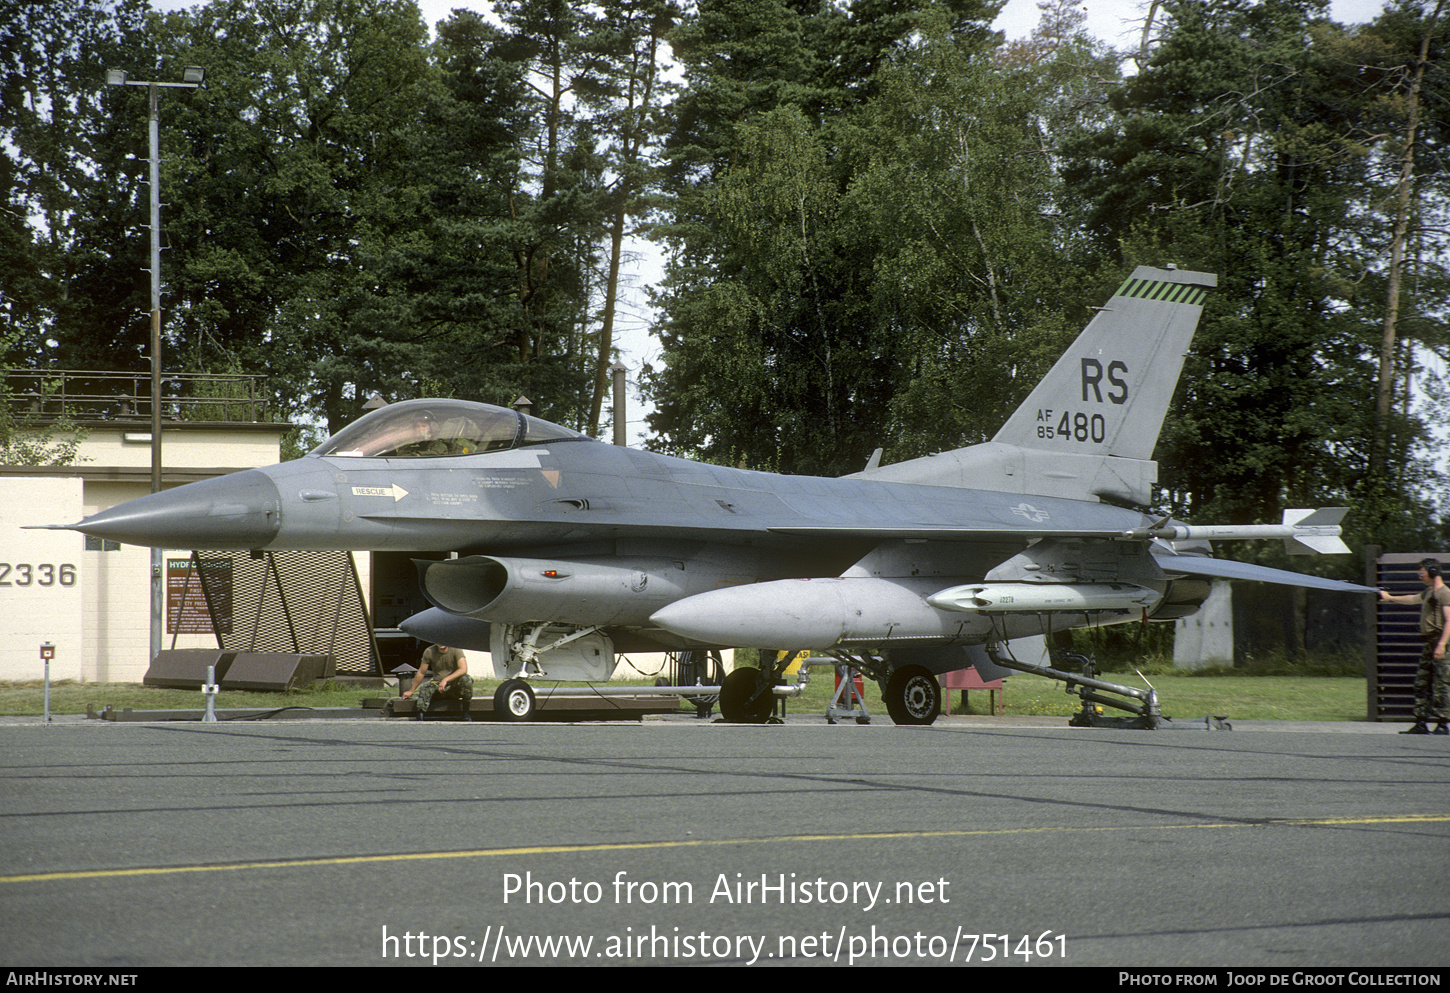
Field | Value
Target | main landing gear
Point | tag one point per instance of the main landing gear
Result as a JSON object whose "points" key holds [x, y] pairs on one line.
{"points": [[747, 697], [911, 693]]}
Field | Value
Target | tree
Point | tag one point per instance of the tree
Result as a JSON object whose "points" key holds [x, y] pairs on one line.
{"points": [[301, 174], [556, 53], [1395, 71], [627, 100], [65, 279], [963, 195], [1408, 204], [28, 439], [347, 208], [1239, 151], [775, 354]]}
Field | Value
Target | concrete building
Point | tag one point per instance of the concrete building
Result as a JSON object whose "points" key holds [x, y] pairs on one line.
{"points": [[91, 599]]}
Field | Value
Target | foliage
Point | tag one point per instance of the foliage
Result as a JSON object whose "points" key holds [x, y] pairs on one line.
{"points": [[625, 102], [1120, 647], [300, 440], [24, 442], [65, 288], [883, 221], [349, 208], [29, 439], [973, 260], [1243, 150], [773, 340], [302, 189]]}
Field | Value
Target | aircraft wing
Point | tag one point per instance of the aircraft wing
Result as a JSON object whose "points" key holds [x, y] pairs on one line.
{"points": [[955, 534], [1202, 565]]}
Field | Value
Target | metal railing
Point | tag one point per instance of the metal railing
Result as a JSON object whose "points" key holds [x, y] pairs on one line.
{"points": [[126, 396]]}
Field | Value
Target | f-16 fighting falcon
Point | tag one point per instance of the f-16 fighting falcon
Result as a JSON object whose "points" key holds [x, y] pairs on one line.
{"points": [[568, 549]]}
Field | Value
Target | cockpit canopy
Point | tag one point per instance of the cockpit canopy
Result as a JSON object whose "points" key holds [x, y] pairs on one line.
{"points": [[430, 428]]}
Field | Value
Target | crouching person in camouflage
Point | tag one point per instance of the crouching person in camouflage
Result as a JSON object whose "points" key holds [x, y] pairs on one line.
{"points": [[443, 671]]}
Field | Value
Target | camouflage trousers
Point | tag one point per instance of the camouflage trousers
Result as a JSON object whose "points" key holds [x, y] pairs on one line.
{"points": [[1432, 685], [460, 688]]}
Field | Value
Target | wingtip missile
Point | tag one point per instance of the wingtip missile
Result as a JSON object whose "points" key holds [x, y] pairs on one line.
{"points": [[1316, 532], [1304, 531]]}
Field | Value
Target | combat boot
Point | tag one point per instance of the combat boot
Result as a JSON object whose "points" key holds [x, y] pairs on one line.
{"points": [[1419, 728], [1441, 729]]}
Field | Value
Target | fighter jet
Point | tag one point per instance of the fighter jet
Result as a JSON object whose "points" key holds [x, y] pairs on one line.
{"points": [[567, 550]]}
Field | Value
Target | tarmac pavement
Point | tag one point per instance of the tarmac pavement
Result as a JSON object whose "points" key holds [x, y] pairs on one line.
{"points": [[977, 841]]}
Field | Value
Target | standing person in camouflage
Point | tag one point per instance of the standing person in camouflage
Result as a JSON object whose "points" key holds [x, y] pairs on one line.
{"points": [[442, 671], [1432, 680]]}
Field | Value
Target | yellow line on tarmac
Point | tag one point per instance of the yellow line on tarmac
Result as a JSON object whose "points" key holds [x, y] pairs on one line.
{"points": [[701, 843]]}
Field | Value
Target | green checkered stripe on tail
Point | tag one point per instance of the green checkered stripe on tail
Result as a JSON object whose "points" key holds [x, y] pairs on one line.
{"points": [[1158, 289]]}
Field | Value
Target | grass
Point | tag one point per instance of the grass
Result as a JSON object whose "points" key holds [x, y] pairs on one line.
{"points": [[1244, 698], [70, 697], [1238, 697]]}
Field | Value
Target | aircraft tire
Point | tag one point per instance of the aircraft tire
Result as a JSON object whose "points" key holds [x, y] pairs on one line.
{"points": [[735, 703], [912, 695], [514, 701]]}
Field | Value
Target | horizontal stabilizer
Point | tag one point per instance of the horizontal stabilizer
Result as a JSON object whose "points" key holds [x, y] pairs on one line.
{"points": [[1200, 565]]}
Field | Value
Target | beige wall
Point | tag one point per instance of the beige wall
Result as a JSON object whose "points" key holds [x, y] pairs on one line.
{"points": [[42, 578], [201, 447]]}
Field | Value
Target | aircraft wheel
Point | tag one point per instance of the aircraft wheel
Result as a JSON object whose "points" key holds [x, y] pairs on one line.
{"points": [[913, 696], [514, 700], [736, 705]]}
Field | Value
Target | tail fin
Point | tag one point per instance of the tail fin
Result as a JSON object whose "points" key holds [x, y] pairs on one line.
{"points": [[1089, 427], [1108, 393]]}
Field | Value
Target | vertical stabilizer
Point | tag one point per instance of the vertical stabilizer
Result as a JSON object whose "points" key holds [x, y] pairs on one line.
{"points": [[1109, 392], [1088, 429]]}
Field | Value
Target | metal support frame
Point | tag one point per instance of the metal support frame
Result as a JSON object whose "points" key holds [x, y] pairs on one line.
{"points": [[314, 619], [1142, 703], [847, 701]]}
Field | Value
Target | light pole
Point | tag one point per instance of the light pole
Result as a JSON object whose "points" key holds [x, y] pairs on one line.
{"points": [[191, 78]]}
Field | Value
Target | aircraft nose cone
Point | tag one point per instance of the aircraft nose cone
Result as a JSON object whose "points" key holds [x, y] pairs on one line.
{"points": [[239, 510]]}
